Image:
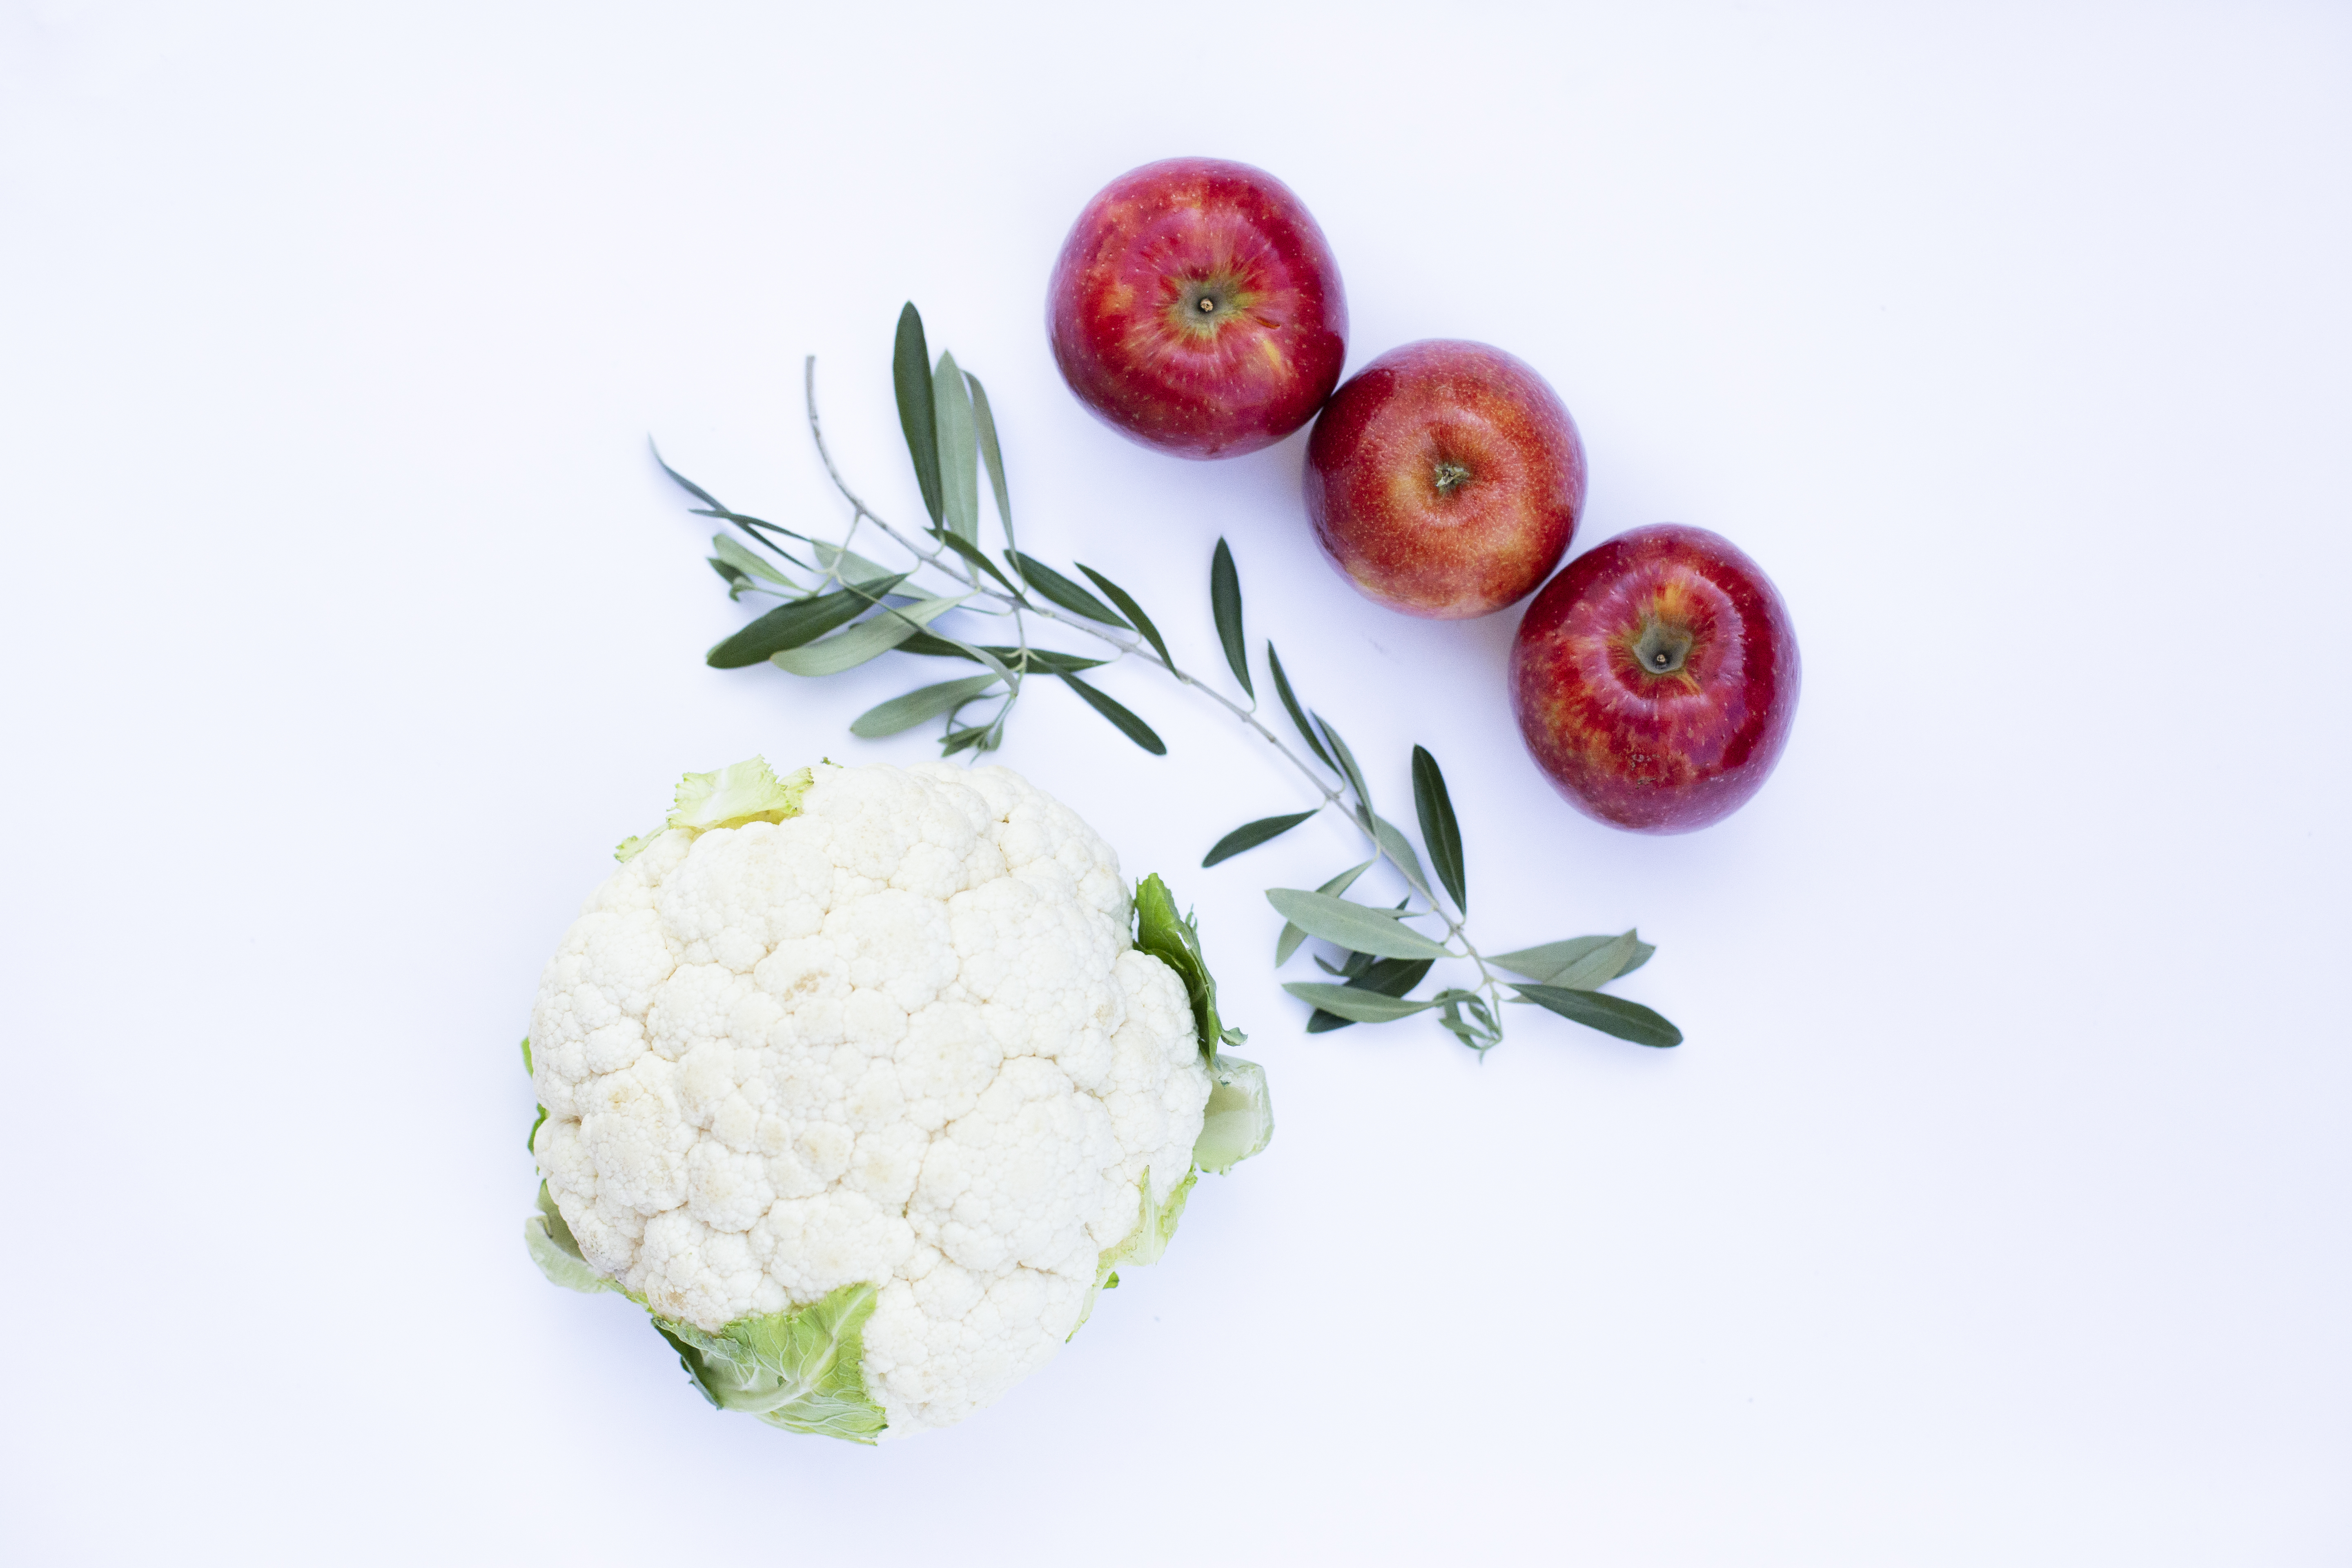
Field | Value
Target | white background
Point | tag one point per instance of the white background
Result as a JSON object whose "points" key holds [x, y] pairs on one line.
{"points": [[1995, 1211]]}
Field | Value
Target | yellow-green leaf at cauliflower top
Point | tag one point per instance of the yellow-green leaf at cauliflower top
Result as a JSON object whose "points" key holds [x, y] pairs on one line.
{"points": [[855, 1096]]}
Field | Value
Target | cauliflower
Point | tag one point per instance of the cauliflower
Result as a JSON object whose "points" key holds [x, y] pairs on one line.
{"points": [[857, 1082]]}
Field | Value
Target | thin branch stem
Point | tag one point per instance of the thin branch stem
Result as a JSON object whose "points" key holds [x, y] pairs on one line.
{"points": [[962, 573]]}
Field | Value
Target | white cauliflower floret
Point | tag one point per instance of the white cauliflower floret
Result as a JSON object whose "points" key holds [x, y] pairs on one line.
{"points": [[900, 1039]]}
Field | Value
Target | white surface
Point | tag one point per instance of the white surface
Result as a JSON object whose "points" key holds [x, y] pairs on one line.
{"points": [[1996, 1209]]}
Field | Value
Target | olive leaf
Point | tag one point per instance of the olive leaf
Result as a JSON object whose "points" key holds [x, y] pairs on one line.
{"points": [[1439, 828], [1610, 1015], [1041, 660], [1544, 964], [1596, 968], [758, 527], [1226, 603], [1357, 962], [847, 564], [1131, 610], [910, 378], [866, 639], [984, 424], [688, 486], [728, 549], [1398, 848], [1298, 715], [802, 621], [1356, 1007], [1353, 925], [1250, 835], [1348, 767], [961, 740], [924, 702], [1046, 660], [1062, 592], [1466, 1015], [959, 452], [974, 553], [1388, 976], [1133, 728], [1292, 935]]}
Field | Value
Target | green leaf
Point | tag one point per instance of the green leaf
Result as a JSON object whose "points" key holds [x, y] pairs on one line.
{"points": [[798, 622], [964, 740], [910, 378], [974, 553], [1155, 1228], [1466, 1015], [985, 423], [847, 564], [688, 486], [1355, 1005], [551, 1244], [736, 582], [1388, 976], [1239, 1119], [531, 1139], [1287, 942], [730, 550], [1393, 976], [1132, 611], [1351, 925], [1439, 828], [1062, 592], [801, 1369], [958, 458], [981, 657], [866, 639], [1298, 715], [1596, 968], [526, 1055], [731, 796], [1610, 1015], [924, 702], [1348, 766], [1546, 962], [1398, 848], [1250, 835], [932, 647], [1133, 728], [1175, 941], [1225, 603], [1046, 660]]}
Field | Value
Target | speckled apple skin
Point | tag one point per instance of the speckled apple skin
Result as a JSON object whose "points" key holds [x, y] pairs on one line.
{"points": [[1649, 753], [1129, 258], [1372, 489]]}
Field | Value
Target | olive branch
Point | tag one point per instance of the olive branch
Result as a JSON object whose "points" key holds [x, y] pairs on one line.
{"points": [[844, 609]]}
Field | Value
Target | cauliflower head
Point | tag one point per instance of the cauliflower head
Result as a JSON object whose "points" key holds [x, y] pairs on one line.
{"points": [[858, 1082]]}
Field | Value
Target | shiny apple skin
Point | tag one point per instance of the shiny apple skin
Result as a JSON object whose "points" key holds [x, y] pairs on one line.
{"points": [[1445, 480], [1656, 753], [1216, 386]]}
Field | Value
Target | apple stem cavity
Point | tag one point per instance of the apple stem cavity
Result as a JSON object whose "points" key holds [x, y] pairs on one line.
{"points": [[1660, 649], [1450, 475]]}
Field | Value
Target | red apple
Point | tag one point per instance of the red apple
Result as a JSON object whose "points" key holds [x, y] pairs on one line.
{"points": [[1655, 678], [1445, 480], [1196, 308]]}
